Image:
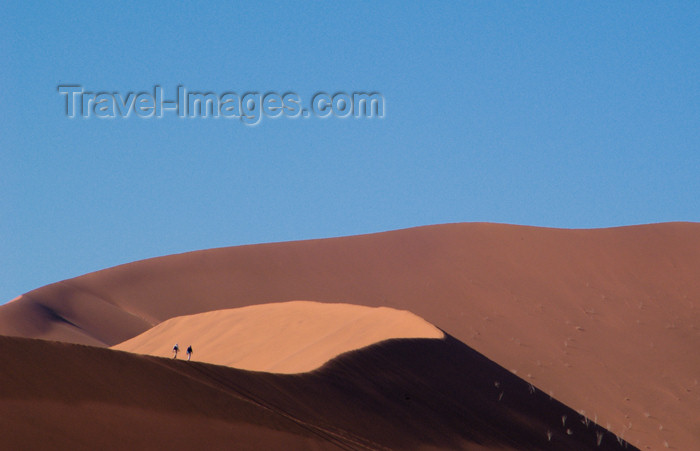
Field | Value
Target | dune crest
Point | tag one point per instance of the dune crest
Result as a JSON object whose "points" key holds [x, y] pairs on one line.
{"points": [[15, 299], [287, 337], [606, 320], [404, 394]]}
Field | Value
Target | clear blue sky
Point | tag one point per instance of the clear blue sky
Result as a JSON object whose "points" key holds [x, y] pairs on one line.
{"points": [[560, 114]]}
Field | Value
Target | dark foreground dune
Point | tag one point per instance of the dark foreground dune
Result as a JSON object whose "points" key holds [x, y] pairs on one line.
{"points": [[398, 394], [605, 320]]}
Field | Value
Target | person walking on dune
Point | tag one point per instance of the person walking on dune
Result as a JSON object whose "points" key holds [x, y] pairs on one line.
{"points": [[175, 349], [189, 352]]}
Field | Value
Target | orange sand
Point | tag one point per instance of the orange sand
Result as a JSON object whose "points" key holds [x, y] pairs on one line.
{"points": [[289, 337], [606, 320]]}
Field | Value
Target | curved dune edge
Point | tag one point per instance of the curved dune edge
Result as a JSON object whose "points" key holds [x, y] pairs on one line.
{"points": [[287, 337], [15, 299], [404, 394], [606, 320]]}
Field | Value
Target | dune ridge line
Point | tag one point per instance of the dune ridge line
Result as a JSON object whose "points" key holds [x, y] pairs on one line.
{"points": [[287, 337]]}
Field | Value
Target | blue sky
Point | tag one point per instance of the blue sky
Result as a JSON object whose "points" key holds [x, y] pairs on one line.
{"points": [[558, 114]]}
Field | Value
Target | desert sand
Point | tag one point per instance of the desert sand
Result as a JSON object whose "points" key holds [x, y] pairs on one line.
{"points": [[411, 394], [289, 337], [605, 321]]}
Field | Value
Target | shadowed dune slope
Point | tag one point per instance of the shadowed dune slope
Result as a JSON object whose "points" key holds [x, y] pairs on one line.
{"points": [[606, 319], [289, 337], [397, 394]]}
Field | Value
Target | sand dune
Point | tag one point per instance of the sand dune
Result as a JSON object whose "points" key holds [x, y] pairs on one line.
{"points": [[606, 320], [407, 394], [289, 337]]}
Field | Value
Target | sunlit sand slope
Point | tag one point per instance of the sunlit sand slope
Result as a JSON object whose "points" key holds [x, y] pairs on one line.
{"points": [[289, 337], [606, 320]]}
